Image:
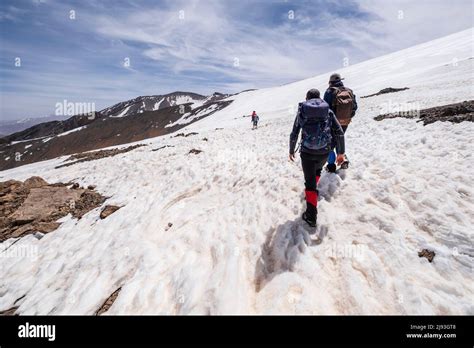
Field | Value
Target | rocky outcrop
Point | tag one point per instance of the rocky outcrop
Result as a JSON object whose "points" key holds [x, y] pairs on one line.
{"points": [[454, 113], [91, 156], [35, 206]]}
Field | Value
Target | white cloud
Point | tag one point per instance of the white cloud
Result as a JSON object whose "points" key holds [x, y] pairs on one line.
{"points": [[209, 40], [199, 52]]}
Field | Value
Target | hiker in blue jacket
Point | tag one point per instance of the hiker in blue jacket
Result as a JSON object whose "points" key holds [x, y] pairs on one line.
{"points": [[320, 130], [342, 101]]}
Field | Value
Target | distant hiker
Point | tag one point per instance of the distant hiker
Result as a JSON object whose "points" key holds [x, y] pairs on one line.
{"points": [[320, 130], [255, 119], [342, 102]]}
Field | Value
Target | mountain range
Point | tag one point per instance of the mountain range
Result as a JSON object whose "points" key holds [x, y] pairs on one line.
{"points": [[132, 120]]}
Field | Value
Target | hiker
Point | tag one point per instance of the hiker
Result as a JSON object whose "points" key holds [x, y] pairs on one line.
{"points": [[255, 119], [342, 102], [320, 129]]}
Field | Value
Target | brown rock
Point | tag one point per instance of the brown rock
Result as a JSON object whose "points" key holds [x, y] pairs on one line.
{"points": [[86, 202], [35, 206], [35, 182], [192, 133], [45, 227], [44, 201], [108, 302], [9, 311], [429, 254], [108, 210]]}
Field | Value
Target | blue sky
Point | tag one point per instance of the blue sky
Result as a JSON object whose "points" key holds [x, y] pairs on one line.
{"points": [[199, 46]]}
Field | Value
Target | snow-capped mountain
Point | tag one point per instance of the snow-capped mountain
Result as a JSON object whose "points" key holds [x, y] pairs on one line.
{"points": [[208, 219], [158, 102], [152, 116]]}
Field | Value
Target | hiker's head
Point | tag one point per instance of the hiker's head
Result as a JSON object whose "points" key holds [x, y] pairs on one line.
{"points": [[312, 94], [253, 112], [335, 78]]}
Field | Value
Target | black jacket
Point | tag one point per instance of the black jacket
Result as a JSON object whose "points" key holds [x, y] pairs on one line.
{"points": [[336, 132]]}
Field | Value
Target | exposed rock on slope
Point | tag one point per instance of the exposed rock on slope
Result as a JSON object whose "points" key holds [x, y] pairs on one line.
{"points": [[91, 156], [385, 91], [455, 113], [108, 210], [108, 302], [35, 206]]}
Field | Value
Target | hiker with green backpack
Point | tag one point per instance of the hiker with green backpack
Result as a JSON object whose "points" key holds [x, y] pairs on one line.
{"points": [[342, 101]]}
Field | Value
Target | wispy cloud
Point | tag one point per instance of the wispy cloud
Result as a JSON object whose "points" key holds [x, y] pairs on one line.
{"points": [[113, 50]]}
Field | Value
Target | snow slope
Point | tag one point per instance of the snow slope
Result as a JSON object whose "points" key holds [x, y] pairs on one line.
{"points": [[232, 246]]}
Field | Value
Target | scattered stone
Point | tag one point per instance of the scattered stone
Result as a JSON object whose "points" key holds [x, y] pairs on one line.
{"points": [[19, 298], [87, 201], [185, 135], [91, 187], [429, 254], [162, 147], [385, 91], [108, 302], [194, 151], [108, 210], [38, 235], [205, 139], [75, 186], [168, 226], [94, 155]]}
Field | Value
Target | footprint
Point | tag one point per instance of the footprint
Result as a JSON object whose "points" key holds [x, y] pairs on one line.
{"points": [[181, 197]]}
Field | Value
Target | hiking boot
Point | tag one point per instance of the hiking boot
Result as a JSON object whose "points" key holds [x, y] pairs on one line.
{"points": [[331, 167], [346, 162], [345, 165], [311, 223]]}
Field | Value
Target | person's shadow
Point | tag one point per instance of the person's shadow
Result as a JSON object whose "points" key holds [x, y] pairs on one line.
{"points": [[282, 248]]}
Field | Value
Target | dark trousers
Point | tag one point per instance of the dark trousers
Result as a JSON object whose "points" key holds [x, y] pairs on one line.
{"points": [[312, 166], [332, 154]]}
